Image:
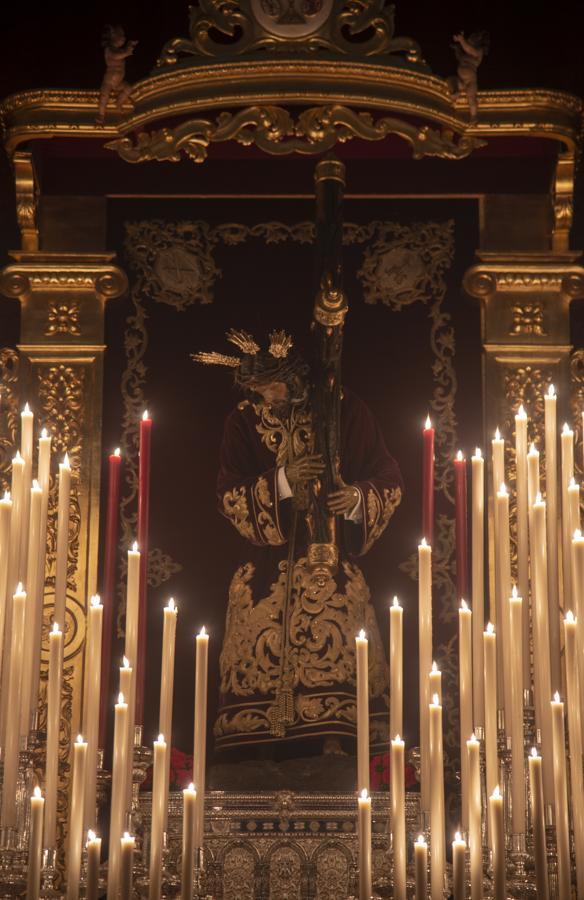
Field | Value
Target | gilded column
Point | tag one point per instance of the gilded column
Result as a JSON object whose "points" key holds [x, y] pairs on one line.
{"points": [[62, 298], [525, 326]]}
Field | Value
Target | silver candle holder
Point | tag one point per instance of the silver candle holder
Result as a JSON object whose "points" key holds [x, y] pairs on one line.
{"points": [[49, 876]]}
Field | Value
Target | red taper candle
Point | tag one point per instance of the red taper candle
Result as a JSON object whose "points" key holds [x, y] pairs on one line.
{"points": [[143, 516], [109, 585], [428, 483], [461, 526]]}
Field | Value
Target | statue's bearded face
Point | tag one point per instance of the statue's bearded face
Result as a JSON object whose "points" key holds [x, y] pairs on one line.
{"points": [[273, 393]]}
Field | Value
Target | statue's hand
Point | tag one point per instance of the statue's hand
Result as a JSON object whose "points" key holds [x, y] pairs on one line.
{"points": [[304, 469], [343, 500], [458, 37]]}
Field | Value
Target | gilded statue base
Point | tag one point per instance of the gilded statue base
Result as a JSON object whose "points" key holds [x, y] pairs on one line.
{"points": [[276, 845]]}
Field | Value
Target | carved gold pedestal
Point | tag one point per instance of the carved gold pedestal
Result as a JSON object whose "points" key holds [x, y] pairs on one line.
{"points": [[62, 298]]}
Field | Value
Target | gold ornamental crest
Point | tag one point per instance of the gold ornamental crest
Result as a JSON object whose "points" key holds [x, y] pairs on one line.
{"points": [[291, 18]]}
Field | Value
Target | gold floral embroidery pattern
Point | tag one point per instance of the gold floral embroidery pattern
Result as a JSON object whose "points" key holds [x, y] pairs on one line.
{"points": [[243, 722], [309, 711], [379, 512], [323, 622], [263, 502], [287, 438], [319, 709], [237, 510]]}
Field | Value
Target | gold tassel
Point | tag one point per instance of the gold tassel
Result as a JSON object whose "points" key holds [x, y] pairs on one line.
{"points": [[285, 699]]}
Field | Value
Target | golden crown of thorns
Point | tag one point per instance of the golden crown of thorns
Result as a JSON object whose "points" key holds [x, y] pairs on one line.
{"points": [[279, 347]]}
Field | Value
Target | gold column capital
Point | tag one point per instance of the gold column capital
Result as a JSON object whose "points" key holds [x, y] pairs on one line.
{"points": [[62, 295], [526, 296]]}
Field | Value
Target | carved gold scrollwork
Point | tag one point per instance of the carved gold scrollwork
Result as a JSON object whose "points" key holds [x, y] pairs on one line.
{"points": [[61, 389], [9, 422], [62, 392], [228, 28], [563, 201], [573, 284], [577, 399], [273, 129], [527, 385], [26, 199]]}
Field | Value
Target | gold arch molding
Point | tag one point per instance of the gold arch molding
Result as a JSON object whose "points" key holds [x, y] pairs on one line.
{"points": [[168, 96]]}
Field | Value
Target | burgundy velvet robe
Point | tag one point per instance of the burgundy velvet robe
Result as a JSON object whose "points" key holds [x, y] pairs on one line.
{"points": [[323, 621]]}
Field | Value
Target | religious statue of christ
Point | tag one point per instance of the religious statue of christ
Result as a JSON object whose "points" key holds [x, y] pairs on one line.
{"points": [[287, 665], [307, 481]]}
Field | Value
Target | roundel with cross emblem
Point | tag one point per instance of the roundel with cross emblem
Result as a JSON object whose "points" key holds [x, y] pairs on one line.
{"points": [[291, 18], [178, 270]]}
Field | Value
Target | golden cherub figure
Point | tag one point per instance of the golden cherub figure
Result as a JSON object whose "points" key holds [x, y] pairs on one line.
{"points": [[116, 49], [470, 52]]}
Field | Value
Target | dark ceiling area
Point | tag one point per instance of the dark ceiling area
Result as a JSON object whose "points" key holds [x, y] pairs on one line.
{"points": [[532, 45], [44, 47]]}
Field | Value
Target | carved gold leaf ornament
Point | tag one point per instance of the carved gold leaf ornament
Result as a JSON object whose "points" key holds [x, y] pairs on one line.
{"points": [[27, 195], [526, 385], [61, 390], [174, 262], [9, 412], [577, 395], [274, 130], [230, 28], [63, 318], [528, 318]]}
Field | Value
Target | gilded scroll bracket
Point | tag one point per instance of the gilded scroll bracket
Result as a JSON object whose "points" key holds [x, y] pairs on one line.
{"points": [[27, 195], [275, 130]]}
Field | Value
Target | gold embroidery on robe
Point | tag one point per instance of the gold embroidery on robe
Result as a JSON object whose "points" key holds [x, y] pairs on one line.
{"points": [[335, 714], [287, 438], [323, 623], [379, 512], [237, 510], [266, 526]]}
